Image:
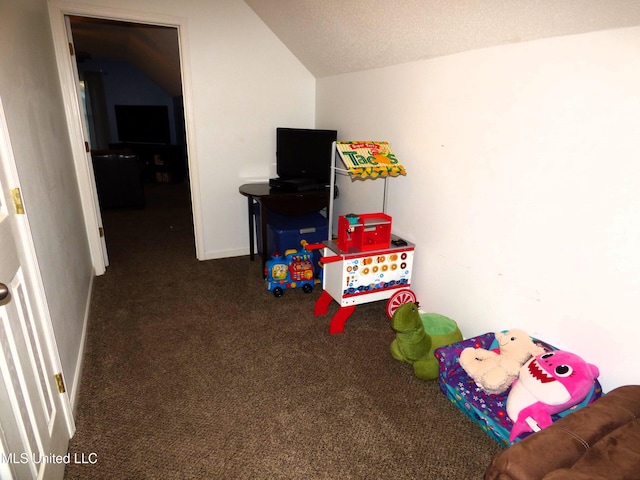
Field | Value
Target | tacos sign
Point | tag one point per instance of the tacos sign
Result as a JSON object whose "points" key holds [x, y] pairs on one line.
{"points": [[370, 159]]}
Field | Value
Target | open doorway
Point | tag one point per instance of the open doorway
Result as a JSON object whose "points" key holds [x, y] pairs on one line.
{"points": [[132, 101]]}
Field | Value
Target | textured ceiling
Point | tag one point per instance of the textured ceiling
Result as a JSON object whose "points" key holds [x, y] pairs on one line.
{"points": [[339, 36]]}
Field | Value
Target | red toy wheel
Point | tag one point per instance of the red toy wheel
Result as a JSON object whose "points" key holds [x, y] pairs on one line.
{"points": [[399, 298]]}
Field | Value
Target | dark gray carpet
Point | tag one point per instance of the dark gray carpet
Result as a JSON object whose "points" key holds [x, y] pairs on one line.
{"points": [[192, 370]]}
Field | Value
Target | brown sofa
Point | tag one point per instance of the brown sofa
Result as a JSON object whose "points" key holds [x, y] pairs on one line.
{"points": [[600, 441]]}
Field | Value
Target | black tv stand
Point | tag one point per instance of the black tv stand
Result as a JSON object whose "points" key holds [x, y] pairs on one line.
{"points": [[296, 184]]}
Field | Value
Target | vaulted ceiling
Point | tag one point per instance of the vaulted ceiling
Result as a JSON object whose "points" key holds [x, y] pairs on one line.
{"points": [[340, 36]]}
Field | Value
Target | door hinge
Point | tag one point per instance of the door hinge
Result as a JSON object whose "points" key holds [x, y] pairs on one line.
{"points": [[71, 52], [60, 382], [86, 147], [17, 201], [101, 231]]}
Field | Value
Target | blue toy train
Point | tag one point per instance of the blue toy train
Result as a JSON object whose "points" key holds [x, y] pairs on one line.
{"points": [[294, 269]]}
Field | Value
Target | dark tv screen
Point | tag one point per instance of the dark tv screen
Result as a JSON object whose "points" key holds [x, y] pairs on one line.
{"points": [[304, 153], [143, 123]]}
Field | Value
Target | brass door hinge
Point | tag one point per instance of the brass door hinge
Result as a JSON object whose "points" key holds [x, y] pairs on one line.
{"points": [[101, 231], [87, 148], [17, 200], [71, 52], [60, 382]]}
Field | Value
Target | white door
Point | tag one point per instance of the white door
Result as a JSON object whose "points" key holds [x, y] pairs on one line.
{"points": [[87, 156], [34, 415]]}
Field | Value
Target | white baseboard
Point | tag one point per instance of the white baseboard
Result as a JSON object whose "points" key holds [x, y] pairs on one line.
{"points": [[75, 390]]}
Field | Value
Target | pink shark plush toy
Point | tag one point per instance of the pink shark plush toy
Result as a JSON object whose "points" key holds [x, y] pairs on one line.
{"points": [[548, 384]]}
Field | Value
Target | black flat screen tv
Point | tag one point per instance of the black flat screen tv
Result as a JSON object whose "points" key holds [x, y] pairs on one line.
{"points": [[304, 154], [143, 123]]}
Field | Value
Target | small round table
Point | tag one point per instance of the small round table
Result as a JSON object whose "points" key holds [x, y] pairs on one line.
{"points": [[278, 201]]}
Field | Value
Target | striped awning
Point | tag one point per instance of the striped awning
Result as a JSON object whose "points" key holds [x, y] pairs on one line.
{"points": [[369, 159]]}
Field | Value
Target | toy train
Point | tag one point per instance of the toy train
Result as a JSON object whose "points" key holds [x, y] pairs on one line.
{"points": [[295, 269]]}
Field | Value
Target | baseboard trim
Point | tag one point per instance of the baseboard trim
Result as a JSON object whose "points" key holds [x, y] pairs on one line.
{"points": [[75, 390]]}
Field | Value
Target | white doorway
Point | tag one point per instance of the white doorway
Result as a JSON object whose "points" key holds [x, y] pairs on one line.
{"points": [[76, 117]]}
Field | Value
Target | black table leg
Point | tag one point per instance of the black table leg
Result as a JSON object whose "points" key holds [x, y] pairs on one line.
{"points": [[263, 236], [251, 227]]}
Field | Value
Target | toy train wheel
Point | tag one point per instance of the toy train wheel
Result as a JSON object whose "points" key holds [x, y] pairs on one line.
{"points": [[399, 298], [307, 288], [277, 292]]}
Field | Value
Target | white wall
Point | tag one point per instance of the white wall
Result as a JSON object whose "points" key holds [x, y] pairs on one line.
{"points": [[31, 95], [522, 191], [245, 84]]}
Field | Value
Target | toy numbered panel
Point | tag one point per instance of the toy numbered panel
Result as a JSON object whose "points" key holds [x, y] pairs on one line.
{"points": [[362, 278], [381, 271]]}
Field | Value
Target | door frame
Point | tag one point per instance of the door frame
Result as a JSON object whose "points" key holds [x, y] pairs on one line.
{"points": [[58, 11]]}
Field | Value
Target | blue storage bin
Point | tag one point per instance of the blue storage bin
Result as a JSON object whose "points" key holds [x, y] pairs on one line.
{"points": [[278, 218], [286, 232]]}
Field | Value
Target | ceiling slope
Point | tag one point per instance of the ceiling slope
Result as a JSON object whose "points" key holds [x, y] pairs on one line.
{"points": [[332, 37]]}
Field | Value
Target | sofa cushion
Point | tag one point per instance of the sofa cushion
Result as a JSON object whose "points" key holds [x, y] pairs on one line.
{"points": [[615, 457], [570, 441]]}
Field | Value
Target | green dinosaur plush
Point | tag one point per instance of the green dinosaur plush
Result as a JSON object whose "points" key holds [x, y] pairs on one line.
{"points": [[417, 337], [412, 343]]}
